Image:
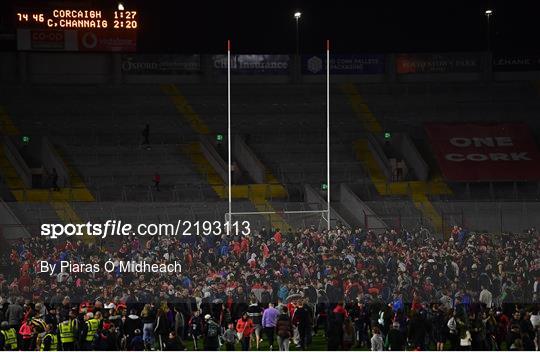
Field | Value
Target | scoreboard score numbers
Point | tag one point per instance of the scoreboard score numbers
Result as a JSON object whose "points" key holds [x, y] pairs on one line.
{"points": [[64, 18]]}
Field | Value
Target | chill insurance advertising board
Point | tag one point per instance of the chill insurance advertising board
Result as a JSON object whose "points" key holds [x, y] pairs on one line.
{"points": [[75, 28]]}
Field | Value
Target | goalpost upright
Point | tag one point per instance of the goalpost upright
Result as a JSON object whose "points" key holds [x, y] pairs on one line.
{"points": [[328, 130], [229, 132], [228, 217]]}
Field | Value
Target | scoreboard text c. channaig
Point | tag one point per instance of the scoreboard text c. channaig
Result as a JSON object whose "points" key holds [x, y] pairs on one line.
{"points": [[77, 18]]}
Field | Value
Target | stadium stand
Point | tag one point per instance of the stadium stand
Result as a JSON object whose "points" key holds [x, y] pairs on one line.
{"points": [[262, 115]]}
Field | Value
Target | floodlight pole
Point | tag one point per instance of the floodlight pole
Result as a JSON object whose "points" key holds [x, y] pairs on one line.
{"points": [[297, 38], [328, 128], [488, 14], [229, 132]]}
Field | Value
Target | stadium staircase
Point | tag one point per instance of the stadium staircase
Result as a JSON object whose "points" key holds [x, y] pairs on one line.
{"points": [[57, 199], [258, 194], [419, 191], [10, 175]]}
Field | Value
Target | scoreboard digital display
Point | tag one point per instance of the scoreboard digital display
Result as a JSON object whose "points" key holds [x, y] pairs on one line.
{"points": [[82, 27], [66, 18]]}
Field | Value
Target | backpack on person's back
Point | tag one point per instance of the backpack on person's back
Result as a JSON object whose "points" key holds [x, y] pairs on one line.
{"points": [[213, 329]]}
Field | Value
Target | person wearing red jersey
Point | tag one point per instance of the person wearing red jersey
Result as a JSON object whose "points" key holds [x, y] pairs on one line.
{"points": [[244, 329]]}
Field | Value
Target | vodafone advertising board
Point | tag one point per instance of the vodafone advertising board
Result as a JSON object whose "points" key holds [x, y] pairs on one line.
{"points": [[107, 41], [485, 152]]}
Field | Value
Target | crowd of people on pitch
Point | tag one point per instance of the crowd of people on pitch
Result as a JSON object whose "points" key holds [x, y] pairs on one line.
{"points": [[351, 288]]}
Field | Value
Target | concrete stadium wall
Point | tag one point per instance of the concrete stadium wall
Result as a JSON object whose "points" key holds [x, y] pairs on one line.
{"points": [[16, 159], [490, 216], [248, 160], [106, 68], [315, 201], [11, 225], [359, 210], [493, 217]]}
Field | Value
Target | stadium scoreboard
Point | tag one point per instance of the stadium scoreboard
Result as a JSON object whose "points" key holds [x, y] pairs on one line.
{"points": [[66, 18], [76, 27]]}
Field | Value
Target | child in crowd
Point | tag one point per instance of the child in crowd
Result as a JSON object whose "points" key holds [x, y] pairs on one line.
{"points": [[230, 337]]}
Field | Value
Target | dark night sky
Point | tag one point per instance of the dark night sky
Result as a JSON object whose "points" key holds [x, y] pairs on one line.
{"points": [[203, 26]]}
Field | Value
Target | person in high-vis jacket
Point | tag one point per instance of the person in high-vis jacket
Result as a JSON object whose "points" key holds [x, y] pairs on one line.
{"points": [[66, 331], [49, 341], [89, 330], [8, 338], [38, 328]]}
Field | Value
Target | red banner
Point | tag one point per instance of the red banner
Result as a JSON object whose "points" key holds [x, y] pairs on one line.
{"points": [[485, 152]]}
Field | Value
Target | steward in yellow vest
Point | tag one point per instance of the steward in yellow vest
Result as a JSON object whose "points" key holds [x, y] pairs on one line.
{"points": [[49, 341], [66, 330], [8, 338]]}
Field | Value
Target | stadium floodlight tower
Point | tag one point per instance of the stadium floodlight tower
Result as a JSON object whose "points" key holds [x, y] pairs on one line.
{"points": [[297, 16], [488, 13], [230, 213]]}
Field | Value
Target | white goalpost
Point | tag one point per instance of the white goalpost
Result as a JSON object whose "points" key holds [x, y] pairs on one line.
{"points": [[323, 212]]}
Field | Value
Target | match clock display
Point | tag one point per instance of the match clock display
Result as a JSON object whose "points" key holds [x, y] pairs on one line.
{"points": [[65, 18]]}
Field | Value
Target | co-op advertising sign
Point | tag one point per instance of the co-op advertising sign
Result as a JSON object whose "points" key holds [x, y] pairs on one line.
{"points": [[47, 40], [485, 152], [350, 64]]}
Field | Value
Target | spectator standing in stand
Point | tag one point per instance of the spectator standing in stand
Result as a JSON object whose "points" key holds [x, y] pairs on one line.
{"points": [[157, 180], [146, 135]]}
